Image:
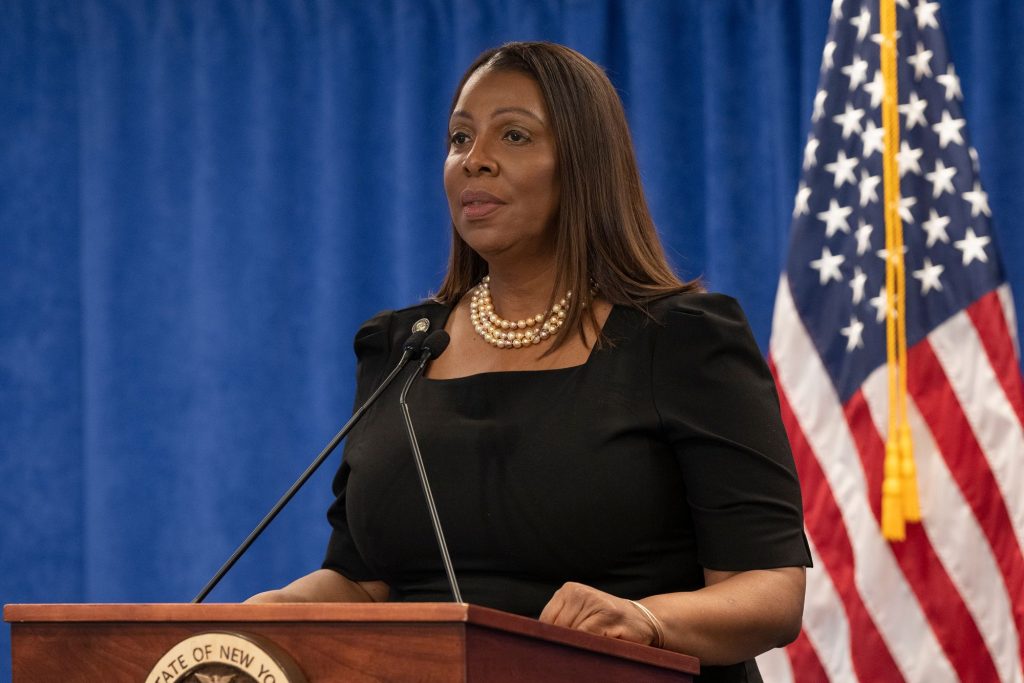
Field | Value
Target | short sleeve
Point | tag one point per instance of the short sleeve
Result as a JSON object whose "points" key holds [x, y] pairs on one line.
{"points": [[372, 348], [719, 409]]}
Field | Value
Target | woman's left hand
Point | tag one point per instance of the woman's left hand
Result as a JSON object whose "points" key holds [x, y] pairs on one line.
{"points": [[583, 608]]}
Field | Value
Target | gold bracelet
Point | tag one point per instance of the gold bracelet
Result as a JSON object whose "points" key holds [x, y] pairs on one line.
{"points": [[655, 623]]}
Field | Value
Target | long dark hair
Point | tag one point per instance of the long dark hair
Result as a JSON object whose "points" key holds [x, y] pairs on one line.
{"points": [[604, 231]]}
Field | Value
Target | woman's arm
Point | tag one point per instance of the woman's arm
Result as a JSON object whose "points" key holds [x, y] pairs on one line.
{"points": [[325, 585], [735, 617]]}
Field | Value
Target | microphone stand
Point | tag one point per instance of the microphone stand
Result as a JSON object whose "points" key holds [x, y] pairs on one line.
{"points": [[410, 349], [421, 470]]}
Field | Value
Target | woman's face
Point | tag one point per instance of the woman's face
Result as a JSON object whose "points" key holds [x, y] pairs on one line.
{"points": [[500, 174]]}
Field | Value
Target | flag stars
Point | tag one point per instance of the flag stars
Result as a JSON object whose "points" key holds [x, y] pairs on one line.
{"points": [[948, 130], [929, 276], [827, 53], [828, 266], [906, 203], [914, 111], [925, 13], [863, 236], [868, 187], [819, 104], [857, 283], [941, 179], [972, 247], [849, 120], [873, 138], [857, 70], [854, 334], [884, 254], [881, 305], [863, 23], [951, 82], [842, 170], [803, 195], [811, 152], [921, 61], [876, 88], [936, 226], [880, 40], [835, 218], [907, 159], [978, 199]]}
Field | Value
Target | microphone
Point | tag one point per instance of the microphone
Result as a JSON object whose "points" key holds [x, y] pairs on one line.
{"points": [[412, 348], [433, 346]]}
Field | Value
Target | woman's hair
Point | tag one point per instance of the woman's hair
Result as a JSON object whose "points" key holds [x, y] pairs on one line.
{"points": [[605, 235]]}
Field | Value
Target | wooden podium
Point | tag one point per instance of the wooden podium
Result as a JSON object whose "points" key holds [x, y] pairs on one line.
{"points": [[350, 643]]}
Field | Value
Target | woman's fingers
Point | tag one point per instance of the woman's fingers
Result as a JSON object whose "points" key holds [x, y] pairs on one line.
{"points": [[587, 609]]}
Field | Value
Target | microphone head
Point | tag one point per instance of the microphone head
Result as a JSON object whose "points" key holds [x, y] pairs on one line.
{"points": [[435, 343]]}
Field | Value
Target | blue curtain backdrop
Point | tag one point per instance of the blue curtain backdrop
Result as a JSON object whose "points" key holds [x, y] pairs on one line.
{"points": [[200, 201]]}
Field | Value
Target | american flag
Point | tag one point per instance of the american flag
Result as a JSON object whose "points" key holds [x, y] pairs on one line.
{"points": [[947, 603]]}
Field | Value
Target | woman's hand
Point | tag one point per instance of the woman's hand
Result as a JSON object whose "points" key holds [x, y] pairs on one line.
{"points": [[736, 616], [325, 585], [583, 608]]}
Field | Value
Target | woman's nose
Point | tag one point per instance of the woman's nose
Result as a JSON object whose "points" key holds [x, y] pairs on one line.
{"points": [[479, 160]]}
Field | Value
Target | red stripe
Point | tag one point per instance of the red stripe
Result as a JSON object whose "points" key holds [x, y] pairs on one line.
{"points": [[804, 661], [950, 620], [871, 657], [987, 315], [931, 391]]}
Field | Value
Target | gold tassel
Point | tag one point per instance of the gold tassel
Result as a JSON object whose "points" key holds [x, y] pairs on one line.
{"points": [[893, 528]]}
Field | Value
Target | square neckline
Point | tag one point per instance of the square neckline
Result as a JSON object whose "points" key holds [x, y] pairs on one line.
{"points": [[505, 373]]}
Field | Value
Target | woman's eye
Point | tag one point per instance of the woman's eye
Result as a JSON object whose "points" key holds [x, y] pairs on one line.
{"points": [[458, 138], [515, 136]]}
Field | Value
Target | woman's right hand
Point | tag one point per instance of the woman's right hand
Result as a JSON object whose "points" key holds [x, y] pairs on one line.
{"points": [[325, 585]]}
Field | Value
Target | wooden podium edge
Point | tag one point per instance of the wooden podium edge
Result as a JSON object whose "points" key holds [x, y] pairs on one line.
{"points": [[472, 615]]}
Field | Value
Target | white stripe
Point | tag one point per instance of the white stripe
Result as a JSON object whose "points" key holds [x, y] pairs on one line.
{"points": [[774, 666], [992, 418], [955, 536], [825, 622], [878, 578], [1006, 299]]}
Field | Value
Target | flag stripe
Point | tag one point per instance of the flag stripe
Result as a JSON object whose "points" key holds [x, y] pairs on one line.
{"points": [[804, 659], [987, 314], [826, 629], [1000, 434], [869, 654], [956, 442], [955, 536], [946, 612], [868, 574], [775, 667], [1010, 316]]}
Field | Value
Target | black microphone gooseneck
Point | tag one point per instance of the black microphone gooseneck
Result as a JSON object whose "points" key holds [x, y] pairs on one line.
{"points": [[433, 346], [411, 349]]}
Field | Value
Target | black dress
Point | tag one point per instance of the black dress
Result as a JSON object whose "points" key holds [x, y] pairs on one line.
{"points": [[662, 455]]}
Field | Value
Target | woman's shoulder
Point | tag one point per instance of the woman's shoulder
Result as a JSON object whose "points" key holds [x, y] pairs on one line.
{"points": [[675, 313], [694, 304], [390, 328]]}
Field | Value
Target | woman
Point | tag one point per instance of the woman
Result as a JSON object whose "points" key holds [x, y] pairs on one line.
{"points": [[603, 440]]}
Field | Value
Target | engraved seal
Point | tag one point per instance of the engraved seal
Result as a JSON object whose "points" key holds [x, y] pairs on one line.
{"points": [[225, 657]]}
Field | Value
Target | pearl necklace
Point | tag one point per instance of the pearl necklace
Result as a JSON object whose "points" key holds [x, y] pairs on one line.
{"points": [[512, 334]]}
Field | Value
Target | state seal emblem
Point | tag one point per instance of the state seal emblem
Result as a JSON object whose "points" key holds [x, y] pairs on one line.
{"points": [[223, 657]]}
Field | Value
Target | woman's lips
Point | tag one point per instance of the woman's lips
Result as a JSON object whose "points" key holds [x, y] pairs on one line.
{"points": [[478, 204], [479, 209]]}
